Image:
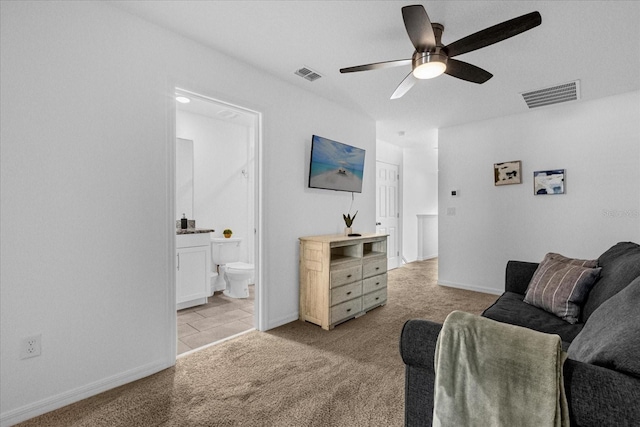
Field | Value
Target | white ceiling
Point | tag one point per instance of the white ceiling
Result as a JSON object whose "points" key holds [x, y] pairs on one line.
{"points": [[597, 42]]}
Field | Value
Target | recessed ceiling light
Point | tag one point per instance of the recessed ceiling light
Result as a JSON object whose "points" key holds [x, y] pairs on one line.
{"points": [[182, 99]]}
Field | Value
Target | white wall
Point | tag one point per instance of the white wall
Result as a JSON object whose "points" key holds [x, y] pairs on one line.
{"points": [[221, 191], [596, 142], [420, 188], [87, 155]]}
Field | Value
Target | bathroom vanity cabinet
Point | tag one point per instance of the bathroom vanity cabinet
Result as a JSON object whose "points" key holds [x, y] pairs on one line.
{"points": [[193, 264], [341, 277]]}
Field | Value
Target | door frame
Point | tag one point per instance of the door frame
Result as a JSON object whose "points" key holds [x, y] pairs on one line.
{"points": [[260, 312], [398, 207]]}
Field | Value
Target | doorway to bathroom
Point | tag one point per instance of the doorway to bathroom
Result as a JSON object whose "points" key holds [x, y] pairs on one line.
{"points": [[217, 186]]}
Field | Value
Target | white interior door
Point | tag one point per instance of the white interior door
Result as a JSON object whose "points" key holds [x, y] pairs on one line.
{"points": [[387, 212]]}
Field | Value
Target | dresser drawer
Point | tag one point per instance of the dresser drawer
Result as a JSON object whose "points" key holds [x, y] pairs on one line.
{"points": [[345, 275], [346, 292], [345, 310], [374, 283], [374, 267], [374, 298]]}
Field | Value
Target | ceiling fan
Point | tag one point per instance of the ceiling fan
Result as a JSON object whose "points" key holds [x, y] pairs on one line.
{"points": [[431, 58]]}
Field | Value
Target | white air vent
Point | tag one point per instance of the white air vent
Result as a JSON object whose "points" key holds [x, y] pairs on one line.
{"points": [[553, 95], [308, 74]]}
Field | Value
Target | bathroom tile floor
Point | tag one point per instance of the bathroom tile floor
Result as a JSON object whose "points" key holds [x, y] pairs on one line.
{"points": [[220, 318]]}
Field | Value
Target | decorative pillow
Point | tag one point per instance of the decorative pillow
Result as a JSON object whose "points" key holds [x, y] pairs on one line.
{"points": [[591, 263], [560, 285], [611, 336]]}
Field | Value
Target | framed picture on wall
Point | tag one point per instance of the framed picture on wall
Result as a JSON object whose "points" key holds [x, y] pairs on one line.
{"points": [[507, 173], [548, 182]]}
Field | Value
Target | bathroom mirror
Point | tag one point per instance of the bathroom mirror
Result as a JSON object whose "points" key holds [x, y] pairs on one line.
{"points": [[184, 178]]}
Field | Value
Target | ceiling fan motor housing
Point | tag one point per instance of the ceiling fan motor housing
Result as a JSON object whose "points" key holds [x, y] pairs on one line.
{"points": [[420, 58], [436, 54]]}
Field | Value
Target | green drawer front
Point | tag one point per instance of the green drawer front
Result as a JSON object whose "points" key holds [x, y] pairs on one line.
{"points": [[374, 298], [374, 283], [346, 292], [346, 310], [345, 275], [374, 267]]}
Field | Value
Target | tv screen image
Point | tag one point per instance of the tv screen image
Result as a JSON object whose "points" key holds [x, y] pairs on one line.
{"points": [[335, 166]]}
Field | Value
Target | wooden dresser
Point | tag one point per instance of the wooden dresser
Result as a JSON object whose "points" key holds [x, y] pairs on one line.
{"points": [[341, 277]]}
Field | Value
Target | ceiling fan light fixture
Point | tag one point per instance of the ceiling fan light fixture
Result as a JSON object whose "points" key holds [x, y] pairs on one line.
{"points": [[429, 70], [429, 65]]}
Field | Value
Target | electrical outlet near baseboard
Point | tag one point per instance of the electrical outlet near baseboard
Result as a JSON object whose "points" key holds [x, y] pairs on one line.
{"points": [[31, 346]]}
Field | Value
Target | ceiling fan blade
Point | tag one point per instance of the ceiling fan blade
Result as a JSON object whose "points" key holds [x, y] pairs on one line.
{"points": [[404, 86], [466, 71], [419, 28], [376, 66], [494, 34]]}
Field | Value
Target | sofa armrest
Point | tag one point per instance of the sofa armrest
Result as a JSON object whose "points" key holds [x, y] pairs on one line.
{"points": [[418, 349], [601, 396], [418, 343], [518, 276]]}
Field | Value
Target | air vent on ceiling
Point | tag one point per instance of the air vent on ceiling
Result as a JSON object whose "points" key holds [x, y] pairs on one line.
{"points": [[553, 95], [307, 73]]}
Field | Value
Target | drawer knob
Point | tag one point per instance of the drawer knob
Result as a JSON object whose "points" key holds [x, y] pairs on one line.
{"points": [[377, 298], [377, 268], [348, 276], [348, 310], [377, 283], [349, 293]]}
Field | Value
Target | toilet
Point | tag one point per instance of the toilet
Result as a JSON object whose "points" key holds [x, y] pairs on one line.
{"points": [[233, 276]]}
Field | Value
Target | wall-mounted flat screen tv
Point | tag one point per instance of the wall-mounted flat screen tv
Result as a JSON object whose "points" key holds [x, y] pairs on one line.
{"points": [[335, 166]]}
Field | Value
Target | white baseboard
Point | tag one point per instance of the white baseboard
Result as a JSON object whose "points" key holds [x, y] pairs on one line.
{"points": [[424, 258], [52, 403], [475, 288], [283, 320]]}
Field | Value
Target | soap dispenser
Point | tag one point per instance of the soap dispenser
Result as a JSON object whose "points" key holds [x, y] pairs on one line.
{"points": [[183, 222]]}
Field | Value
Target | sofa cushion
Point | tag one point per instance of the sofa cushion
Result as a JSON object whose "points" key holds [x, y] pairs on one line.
{"points": [[510, 308], [620, 265], [560, 285], [611, 336]]}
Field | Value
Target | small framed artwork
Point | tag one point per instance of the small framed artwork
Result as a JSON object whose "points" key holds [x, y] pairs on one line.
{"points": [[548, 182], [507, 173]]}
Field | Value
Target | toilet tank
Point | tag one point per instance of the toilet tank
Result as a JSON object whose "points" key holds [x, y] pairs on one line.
{"points": [[224, 251]]}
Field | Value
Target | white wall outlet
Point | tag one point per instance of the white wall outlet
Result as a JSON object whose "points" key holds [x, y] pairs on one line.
{"points": [[31, 346]]}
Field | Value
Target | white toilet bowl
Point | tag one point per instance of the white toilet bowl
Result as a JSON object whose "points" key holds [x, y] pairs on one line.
{"points": [[232, 277], [237, 275]]}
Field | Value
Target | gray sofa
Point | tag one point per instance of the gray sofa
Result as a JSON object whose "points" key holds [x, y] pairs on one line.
{"points": [[602, 372]]}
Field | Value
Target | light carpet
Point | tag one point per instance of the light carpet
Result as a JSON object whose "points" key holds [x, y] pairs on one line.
{"points": [[294, 375]]}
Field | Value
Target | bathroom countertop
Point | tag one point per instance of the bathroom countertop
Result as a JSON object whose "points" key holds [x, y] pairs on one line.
{"points": [[194, 230]]}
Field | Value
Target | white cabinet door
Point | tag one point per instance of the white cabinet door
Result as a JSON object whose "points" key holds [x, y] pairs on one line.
{"points": [[192, 276]]}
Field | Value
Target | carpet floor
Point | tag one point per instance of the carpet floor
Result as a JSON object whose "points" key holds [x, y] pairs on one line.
{"points": [[293, 375]]}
